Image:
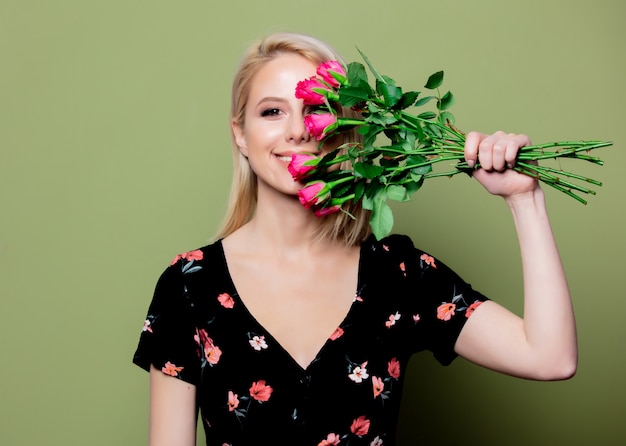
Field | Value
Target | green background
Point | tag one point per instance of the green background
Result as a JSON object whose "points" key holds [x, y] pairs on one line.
{"points": [[114, 156]]}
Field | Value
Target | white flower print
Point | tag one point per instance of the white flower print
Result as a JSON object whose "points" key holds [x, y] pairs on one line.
{"points": [[258, 343], [376, 441], [359, 373], [146, 326]]}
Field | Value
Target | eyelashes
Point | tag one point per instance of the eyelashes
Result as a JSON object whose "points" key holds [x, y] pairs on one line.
{"points": [[270, 112]]}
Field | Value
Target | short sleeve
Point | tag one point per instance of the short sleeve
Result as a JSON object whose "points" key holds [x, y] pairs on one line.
{"points": [[167, 340], [439, 301]]}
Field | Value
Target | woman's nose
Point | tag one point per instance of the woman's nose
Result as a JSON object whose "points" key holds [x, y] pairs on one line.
{"points": [[297, 130]]}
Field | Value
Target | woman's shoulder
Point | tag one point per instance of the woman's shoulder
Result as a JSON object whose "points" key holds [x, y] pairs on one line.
{"points": [[196, 258], [394, 243]]}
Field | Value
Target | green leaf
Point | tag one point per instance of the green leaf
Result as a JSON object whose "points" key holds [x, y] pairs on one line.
{"points": [[349, 96], [368, 171], [414, 185], [446, 101], [434, 81], [397, 193], [359, 189], [446, 118], [424, 100], [381, 119], [356, 73], [407, 99], [381, 220], [390, 93], [371, 67], [427, 115]]}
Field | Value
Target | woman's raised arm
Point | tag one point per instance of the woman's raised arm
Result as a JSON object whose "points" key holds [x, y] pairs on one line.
{"points": [[541, 345]]}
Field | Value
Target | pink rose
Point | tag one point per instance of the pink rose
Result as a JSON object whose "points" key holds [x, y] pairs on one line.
{"points": [[313, 194], [321, 212], [320, 124], [327, 69], [297, 167], [305, 91]]}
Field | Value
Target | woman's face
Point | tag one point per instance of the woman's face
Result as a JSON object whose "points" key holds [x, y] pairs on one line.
{"points": [[274, 129]]}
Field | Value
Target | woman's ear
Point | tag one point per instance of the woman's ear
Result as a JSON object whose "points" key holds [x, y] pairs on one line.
{"points": [[240, 139]]}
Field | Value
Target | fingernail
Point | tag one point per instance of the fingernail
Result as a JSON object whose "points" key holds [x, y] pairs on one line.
{"points": [[471, 163]]}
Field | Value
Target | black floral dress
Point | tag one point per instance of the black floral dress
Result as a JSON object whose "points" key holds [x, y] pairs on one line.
{"points": [[251, 391]]}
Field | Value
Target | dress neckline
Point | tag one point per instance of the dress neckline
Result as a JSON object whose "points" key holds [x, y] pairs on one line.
{"points": [[237, 298]]}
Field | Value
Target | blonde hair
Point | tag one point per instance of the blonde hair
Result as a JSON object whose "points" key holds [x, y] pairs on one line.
{"points": [[243, 194]]}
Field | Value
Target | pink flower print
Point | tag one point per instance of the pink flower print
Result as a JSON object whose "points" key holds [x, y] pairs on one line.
{"points": [[233, 401], [226, 300], [445, 311], [258, 343], [358, 298], [189, 256], [212, 352], [360, 426], [336, 334], [403, 269], [416, 318], [359, 373], [428, 260], [386, 248], [260, 391], [393, 368], [146, 326], [377, 385], [171, 369], [377, 441], [472, 307], [392, 320], [327, 69], [331, 440]]}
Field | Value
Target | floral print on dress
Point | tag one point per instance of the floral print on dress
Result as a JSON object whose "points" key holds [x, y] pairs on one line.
{"points": [[258, 342], [171, 369], [359, 373], [209, 352], [336, 334], [447, 310], [198, 330], [226, 300], [190, 256], [331, 440], [360, 426], [392, 320], [260, 391]]}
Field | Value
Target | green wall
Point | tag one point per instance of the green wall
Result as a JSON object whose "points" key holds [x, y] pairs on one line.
{"points": [[114, 156]]}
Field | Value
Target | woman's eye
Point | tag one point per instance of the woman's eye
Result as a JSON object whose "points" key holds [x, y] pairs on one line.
{"points": [[270, 112], [313, 109]]}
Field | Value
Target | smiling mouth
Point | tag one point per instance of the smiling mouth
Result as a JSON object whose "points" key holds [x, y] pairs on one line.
{"points": [[285, 159]]}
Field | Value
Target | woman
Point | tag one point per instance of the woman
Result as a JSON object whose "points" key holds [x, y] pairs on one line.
{"points": [[291, 329]]}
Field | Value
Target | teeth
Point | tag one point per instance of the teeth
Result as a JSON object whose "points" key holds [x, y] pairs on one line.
{"points": [[284, 158]]}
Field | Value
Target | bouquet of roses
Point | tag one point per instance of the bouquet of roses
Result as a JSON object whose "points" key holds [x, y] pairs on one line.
{"points": [[394, 167]]}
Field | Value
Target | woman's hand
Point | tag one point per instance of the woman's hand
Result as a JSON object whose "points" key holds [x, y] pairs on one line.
{"points": [[497, 156]]}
